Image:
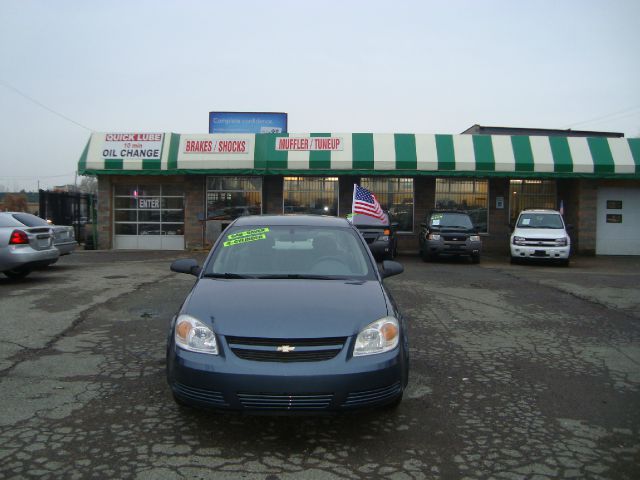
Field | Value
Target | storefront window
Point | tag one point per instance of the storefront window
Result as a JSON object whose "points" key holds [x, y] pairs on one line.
{"points": [[469, 195], [148, 210], [395, 196], [313, 195], [531, 194], [231, 197]]}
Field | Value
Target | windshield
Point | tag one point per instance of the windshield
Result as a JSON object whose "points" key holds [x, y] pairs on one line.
{"points": [[30, 220], [290, 252], [540, 220], [460, 220]]}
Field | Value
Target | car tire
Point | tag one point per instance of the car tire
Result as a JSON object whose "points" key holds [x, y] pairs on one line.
{"points": [[564, 263], [475, 258], [17, 274], [426, 257], [513, 260]]}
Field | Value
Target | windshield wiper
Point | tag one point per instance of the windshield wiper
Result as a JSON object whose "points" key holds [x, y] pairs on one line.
{"points": [[227, 275]]}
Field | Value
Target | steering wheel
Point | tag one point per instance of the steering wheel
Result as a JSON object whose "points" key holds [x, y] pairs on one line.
{"points": [[330, 263]]}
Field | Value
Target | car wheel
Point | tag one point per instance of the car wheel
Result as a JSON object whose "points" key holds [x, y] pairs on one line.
{"points": [[514, 260], [426, 257], [564, 263], [475, 258], [16, 274]]}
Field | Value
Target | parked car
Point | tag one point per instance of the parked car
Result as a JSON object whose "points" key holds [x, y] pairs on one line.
{"points": [[23, 249], [449, 232], [288, 314], [540, 234], [379, 235], [64, 238]]}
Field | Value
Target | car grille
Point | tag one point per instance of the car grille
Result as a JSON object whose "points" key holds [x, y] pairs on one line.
{"points": [[200, 394], [286, 350], [540, 242], [372, 397], [455, 238], [271, 401]]}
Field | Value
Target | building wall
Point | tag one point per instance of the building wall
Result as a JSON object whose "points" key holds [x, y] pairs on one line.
{"points": [[105, 212], [499, 231], [587, 201], [579, 197], [194, 210]]}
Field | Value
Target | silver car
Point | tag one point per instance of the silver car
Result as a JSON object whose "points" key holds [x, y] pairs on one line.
{"points": [[64, 237], [23, 249]]}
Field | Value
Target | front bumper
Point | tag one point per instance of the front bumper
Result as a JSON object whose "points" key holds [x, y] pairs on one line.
{"points": [[540, 252], [380, 248], [228, 382], [442, 247]]}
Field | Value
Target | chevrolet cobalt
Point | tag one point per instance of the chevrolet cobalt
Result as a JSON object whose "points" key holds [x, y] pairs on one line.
{"points": [[288, 314]]}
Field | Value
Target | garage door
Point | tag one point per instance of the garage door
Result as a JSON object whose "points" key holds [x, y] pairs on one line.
{"points": [[148, 217], [618, 226]]}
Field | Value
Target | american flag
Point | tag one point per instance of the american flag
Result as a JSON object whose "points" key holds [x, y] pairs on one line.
{"points": [[365, 202]]}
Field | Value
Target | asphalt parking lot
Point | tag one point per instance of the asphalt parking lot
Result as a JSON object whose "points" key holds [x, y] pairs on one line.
{"points": [[518, 371]]}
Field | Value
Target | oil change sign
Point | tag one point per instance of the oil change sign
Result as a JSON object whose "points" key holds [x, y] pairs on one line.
{"points": [[133, 145]]}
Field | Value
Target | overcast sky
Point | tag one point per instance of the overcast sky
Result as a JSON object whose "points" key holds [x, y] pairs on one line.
{"points": [[333, 66]]}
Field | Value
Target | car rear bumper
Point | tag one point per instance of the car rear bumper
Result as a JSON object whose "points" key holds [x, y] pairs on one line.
{"points": [[241, 385], [23, 257], [66, 248], [540, 252]]}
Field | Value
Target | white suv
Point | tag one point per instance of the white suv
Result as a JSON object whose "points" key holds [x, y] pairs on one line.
{"points": [[540, 234]]}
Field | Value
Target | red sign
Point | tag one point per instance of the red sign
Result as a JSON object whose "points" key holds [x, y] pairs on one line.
{"points": [[297, 144]]}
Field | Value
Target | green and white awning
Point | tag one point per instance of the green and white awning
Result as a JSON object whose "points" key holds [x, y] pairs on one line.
{"points": [[361, 154]]}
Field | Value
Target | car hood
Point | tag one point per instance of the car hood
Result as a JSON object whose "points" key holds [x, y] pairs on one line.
{"points": [[540, 232], [286, 308]]}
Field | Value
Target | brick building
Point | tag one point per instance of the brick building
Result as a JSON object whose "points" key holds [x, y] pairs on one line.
{"points": [[177, 191]]}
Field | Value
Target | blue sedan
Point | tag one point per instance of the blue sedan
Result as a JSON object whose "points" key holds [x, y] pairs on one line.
{"points": [[288, 314]]}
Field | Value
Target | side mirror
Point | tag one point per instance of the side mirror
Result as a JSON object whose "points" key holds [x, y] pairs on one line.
{"points": [[186, 265], [391, 268]]}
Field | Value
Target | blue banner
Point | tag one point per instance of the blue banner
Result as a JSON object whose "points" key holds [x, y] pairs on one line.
{"points": [[247, 122]]}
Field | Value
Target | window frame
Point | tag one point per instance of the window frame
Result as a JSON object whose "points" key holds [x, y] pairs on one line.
{"points": [[475, 182]]}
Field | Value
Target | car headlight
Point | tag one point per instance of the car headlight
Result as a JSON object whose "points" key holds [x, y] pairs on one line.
{"points": [[433, 236], [561, 242], [377, 337], [474, 238], [518, 240], [193, 335]]}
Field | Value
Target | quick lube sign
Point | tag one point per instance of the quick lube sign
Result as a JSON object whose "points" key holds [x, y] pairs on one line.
{"points": [[133, 145]]}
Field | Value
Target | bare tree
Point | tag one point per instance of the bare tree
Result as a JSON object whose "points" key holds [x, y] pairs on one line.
{"points": [[88, 185], [16, 202]]}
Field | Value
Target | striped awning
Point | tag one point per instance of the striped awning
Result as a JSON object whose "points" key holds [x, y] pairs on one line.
{"points": [[362, 154]]}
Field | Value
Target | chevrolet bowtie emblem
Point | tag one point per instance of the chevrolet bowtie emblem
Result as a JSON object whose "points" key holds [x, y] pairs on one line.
{"points": [[285, 348]]}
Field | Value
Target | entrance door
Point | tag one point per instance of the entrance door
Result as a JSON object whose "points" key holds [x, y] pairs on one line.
{"points": [[618, 226], [148, 217]]}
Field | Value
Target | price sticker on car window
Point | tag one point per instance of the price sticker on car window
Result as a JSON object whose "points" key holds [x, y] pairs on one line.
{"points": [[246, 236]]}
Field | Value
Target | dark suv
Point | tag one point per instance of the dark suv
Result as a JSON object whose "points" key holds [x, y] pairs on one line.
{"points": [[447, 232], [379, 235]]}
